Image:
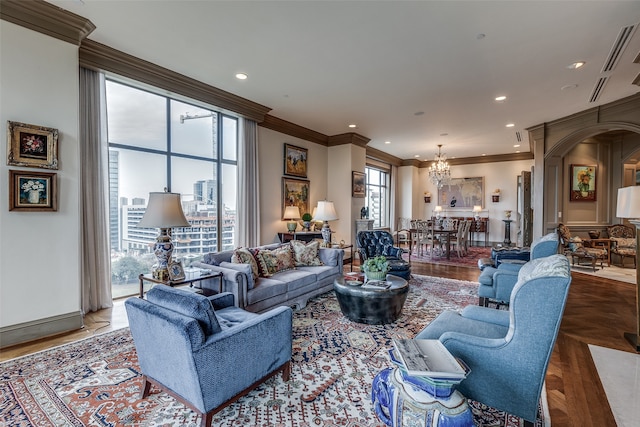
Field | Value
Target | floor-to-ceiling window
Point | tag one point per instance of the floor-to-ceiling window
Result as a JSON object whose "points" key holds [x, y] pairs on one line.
{"points": [[157, 143], [377, 196]]}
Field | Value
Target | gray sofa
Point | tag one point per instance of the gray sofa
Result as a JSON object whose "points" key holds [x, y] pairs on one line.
{"points": [[290, 287]]}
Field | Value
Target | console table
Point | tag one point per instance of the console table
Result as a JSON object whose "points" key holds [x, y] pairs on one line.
{"points": [[305, 236]]}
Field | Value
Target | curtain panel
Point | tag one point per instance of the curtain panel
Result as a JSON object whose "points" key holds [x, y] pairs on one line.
{"points": [[95, 265]]}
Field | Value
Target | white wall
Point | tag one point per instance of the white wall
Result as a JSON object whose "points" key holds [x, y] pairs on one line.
{"points": [[40, 251], [271, 154], [502, 175]]}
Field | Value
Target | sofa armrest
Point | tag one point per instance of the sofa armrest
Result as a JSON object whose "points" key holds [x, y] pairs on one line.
{"points": [[232, 281], [503, 282], [331, 256], [488, 315]]}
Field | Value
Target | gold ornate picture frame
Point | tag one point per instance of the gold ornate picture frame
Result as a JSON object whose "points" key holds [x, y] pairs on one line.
{"points": [[32, 145]]}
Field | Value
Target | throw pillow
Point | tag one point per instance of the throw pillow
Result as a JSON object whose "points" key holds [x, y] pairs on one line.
{"points": [[306, 254], [272, 261], [624, 242], [244, 256], [575, 243]]}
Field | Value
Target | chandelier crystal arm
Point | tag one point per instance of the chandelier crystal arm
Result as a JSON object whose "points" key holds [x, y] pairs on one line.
{"points": [[439, 171]]}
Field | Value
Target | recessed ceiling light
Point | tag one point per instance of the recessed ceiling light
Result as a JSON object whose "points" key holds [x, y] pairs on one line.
{"points": [[517, 151], [576, 65], [516, 146], [241, 76], [483, 154], [509, 125], [501, 98], [352, 125], [566, 87], [387, 142], [417, 155], [418, 113]]}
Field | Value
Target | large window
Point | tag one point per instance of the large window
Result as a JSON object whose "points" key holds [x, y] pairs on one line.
{"points": [[156, 142], [377, 199]]}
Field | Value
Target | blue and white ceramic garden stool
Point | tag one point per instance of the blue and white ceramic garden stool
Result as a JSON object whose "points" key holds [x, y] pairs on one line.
{"points": [[403, 400]]}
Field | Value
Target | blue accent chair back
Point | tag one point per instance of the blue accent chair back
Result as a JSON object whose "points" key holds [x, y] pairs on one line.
{"points": [[372, 243], [508, 351], [496, 284], [204, 351]]}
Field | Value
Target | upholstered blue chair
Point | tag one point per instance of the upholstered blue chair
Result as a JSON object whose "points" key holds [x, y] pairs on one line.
{"points": [[496, 283], [508, 351], [372, 243], [206, 352]]}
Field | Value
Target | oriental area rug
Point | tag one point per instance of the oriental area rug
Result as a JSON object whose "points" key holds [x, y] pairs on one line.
{"points": [[96, 381], [470, 260]]}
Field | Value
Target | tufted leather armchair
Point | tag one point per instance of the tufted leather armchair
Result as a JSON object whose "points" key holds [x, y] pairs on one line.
{"points": [[372, 243]]}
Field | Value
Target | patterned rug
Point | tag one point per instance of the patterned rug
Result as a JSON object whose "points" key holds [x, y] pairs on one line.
{"points": [[469, 260], [96, 382]]}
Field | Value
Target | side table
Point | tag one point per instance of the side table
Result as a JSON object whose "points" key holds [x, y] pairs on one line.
{"points": [[207, 292], [348, 256]]}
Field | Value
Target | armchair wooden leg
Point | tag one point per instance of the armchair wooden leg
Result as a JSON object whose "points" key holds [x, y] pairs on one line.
{"points": [[206, 419], [146, 387], [286, 371]]}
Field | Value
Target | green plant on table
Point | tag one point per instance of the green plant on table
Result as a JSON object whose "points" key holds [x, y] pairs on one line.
{"points": [[307, 217], [376, 264]]}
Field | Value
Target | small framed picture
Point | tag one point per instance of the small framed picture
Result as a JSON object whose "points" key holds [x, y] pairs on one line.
{"points": [[358, 181], [583, 183], [295, 161], [176, 272], [32, 191], [31, 145]]}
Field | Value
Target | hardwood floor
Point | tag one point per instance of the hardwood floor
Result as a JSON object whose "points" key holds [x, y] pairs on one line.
{"points": [[598, 312]]}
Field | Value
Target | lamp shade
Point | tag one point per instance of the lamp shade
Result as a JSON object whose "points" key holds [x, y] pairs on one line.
{"points": [[325, 211], [477, 208], [628, 202], [291, 212], [164, 211], [438, 209]]}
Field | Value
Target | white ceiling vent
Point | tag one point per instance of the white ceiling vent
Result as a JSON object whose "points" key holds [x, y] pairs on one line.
{"points": [[618, 47], [597, 90]]}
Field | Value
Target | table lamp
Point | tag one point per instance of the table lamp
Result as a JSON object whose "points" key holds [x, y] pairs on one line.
{"points": [[438, 210], [326, 212], [476, 212], [164, 211], [291, 214], [629, 207]]}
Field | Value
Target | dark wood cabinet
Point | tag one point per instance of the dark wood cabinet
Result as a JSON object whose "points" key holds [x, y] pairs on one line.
{"points": [[305, 236]]}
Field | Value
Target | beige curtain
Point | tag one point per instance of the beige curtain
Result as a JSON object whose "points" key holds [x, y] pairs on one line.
{"points": [[95, 268], [248, 226], [394, 187]]}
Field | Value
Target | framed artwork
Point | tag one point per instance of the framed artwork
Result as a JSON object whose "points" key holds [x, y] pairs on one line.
{"points": [[31, 145], [358, 184], [295, 192], [32, 191], [583, 183], [462, 193], [295, 161], [176, 272]]}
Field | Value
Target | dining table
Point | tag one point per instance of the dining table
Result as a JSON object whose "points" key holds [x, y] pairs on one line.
{"points": [[445, 232]]}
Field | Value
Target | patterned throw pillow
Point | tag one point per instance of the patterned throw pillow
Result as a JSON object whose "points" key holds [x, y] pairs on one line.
{"points": [[272, 261], [306, 254], [551, 266], [575, 243], [244, 256], [623, 242]]}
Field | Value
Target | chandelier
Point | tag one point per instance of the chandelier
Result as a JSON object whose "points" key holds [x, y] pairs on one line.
{"points": [[439, 172]]}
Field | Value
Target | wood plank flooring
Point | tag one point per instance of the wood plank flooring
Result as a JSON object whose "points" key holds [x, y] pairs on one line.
{"points": [[598, 312]]}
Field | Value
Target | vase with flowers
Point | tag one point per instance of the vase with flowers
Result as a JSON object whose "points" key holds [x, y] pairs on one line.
{"points": [[32, 189], [584, 177]]}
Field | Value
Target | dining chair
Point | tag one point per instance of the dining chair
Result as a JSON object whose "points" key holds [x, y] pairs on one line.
{"points": [[458, 243]]}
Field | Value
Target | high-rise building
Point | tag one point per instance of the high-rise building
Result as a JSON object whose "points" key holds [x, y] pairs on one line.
{"points": [[114, 219]]}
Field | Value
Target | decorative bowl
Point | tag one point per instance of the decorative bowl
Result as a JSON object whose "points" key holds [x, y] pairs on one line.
{"points": [[594, 234]]}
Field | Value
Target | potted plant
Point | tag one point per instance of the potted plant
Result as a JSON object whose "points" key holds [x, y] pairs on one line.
{"points": [[376, 268], [306, 221]]}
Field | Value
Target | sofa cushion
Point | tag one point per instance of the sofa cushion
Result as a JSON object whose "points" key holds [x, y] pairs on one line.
{"points": [[575, 243], [188, 303], [266, 287], [321, 272], [271, 261], [551, 266], [244, 256], [215, 258], [306, 254]]}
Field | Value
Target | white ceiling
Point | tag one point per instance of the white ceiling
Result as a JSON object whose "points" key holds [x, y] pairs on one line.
{"points": [[326, 64]]}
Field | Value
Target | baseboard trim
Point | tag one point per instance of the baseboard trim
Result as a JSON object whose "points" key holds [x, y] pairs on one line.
{"points": [[33, 330]]}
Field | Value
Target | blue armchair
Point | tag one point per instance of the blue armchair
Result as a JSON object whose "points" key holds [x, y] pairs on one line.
{"points": [[508, 351], [206, 352], [372, 243], [496, 284]]}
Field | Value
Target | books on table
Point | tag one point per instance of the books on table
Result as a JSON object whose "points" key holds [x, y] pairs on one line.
{"points": [[428, 358]]}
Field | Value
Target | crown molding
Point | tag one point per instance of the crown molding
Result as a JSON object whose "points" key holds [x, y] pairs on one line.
{"points": [[292, 129], [100, 57], [349, 138], [511, 157], [45, 18], [374, 153]]}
